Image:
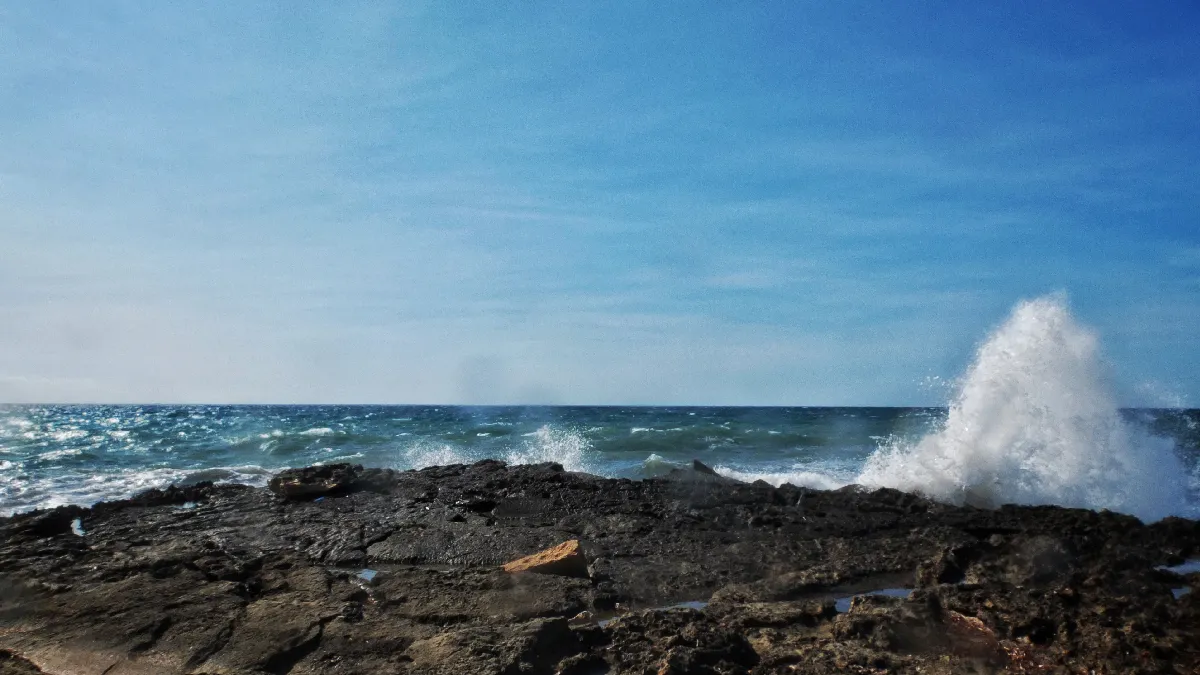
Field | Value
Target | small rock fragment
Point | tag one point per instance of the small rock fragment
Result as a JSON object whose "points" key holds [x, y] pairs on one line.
{"points": [[583, 618]]}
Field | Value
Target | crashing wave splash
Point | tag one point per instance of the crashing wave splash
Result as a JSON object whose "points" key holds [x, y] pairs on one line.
{"points": [[548, 444], [1034, 422]]}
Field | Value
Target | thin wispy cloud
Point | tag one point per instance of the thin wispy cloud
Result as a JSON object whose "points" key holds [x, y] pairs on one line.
{"points": [[790, 204]]}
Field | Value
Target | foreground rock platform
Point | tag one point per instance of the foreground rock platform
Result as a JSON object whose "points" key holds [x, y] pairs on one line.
{"points": [[401, 572]]}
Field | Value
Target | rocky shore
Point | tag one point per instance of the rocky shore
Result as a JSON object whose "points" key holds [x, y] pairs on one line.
{"points": [[342, 570]]}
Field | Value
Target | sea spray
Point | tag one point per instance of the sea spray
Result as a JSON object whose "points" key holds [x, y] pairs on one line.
{"points": [[118, 450], [547, 444], [1034, 422], [552, 444]]}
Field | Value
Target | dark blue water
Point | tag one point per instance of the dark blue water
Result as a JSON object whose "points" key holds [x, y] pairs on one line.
{"points": [[51, 455]]}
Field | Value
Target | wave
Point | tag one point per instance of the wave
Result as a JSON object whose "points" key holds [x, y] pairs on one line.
{"points": [[1034, 422], [318, 431], [424, 454], [656, 465], [551, 444], [24, 494], [800, 477], [546, 444]]}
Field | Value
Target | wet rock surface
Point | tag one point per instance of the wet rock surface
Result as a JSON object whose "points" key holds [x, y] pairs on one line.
{"points": [[343, 570]]}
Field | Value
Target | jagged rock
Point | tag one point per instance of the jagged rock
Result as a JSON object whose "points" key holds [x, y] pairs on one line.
{"points": [[314, 481], [564, 560], [242, 581]]}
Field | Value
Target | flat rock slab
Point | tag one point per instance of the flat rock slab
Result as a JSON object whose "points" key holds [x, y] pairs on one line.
{"points": [[400, 572]]}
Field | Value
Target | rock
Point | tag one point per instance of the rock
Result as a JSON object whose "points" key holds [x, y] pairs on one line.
{"points": [[968, 636], [261, 584], [701, 467], [565, 560], [11, 664], [314, 481]]}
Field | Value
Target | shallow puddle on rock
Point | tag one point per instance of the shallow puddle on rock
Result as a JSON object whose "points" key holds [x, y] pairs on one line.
{"points": [[367, 575], [842, 604], [1180, 592], [77, 527], [186, 506], [689, 604], [1188, 567]]}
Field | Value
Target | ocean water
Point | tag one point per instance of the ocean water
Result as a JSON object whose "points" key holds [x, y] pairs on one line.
{"points": [[1032, 421], [52, 455]]}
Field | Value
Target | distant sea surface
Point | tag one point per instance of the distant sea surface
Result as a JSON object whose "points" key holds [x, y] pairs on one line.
{"points": [[77, 454]]}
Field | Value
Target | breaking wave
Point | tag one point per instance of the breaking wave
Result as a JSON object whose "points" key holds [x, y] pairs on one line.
{"points": [[546, 444], [1034, 421], [26, 493], [552, 444]]}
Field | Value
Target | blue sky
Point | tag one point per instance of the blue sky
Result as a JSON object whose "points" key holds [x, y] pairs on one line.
{"points": [[715, 203]]}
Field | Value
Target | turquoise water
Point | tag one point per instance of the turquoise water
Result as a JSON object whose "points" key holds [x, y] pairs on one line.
{"points": [[51, 455]]}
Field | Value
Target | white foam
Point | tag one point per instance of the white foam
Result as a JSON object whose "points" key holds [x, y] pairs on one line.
{"points": [[816, 480], [58, 454], [425, 454], [67, 435], [550, 444], [657, 465], [318, 431], [75, 488], [1034, 422]]}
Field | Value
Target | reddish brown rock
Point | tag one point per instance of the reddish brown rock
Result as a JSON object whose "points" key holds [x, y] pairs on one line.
{"points": [[968, 636], [565, 560]]}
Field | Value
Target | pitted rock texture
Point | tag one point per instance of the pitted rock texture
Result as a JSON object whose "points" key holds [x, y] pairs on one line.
{"points": [[400, 572]]}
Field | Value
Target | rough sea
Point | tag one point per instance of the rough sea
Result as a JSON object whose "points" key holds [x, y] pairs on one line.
{"points": [[1032, 421], [51, 455]]}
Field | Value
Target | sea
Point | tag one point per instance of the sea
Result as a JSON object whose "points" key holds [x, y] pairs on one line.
{"points": [[1032, 420]]}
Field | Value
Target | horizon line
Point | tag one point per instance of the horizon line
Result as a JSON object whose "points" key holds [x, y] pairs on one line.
{"points": [[516, 405]]}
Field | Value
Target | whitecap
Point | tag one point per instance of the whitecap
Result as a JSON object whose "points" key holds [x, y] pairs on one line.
{"points": [[657, 465], [68, 435], [317, 431], [58, 454]]}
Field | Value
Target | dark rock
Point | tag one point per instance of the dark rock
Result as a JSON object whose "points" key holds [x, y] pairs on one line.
{"points": [[246, 582], [11, 664], [314, 481]]}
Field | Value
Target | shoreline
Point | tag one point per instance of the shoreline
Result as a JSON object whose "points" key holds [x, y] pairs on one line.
{"points": [[233, 579]]}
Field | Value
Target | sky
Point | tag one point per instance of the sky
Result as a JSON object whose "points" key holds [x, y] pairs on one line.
{"points": [[773, 203]]}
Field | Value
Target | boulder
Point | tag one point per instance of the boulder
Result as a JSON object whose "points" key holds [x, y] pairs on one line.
{"points": [[566, 560], [314, 481]]}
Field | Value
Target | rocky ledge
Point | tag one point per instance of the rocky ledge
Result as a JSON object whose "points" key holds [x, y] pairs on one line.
{"points": [[349, 570]]}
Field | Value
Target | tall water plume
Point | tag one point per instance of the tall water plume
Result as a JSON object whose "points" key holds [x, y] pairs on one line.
{"points": [[1035, 422]]}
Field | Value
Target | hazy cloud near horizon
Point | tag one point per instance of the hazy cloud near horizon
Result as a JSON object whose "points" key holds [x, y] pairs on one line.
{"points": [[785, 204]]}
